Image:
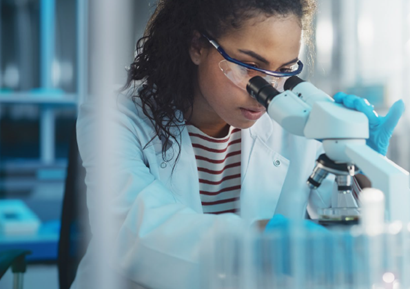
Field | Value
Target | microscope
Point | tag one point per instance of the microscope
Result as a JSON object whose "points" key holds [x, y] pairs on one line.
{"points": [[304, 110]]}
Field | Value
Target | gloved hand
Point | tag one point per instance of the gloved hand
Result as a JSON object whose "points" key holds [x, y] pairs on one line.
{"points": [[380, 127], [279, 222]]}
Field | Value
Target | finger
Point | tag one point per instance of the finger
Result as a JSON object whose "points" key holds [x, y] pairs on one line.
{"points": [[277, 222], [350, 100], [347, 100], [394, 115], [339, 96], [362, 105], [359, 104]]}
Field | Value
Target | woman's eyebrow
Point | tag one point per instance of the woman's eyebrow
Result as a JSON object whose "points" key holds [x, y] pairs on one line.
{"points": [[254, 55], [290, 62], [262, 59]]}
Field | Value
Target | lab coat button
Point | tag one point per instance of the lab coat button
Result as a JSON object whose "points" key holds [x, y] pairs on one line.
{"points": [[276, 163], [163, 165]]}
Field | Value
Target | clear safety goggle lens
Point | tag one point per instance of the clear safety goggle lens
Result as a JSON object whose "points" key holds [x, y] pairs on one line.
{"points": [[240, 75]]}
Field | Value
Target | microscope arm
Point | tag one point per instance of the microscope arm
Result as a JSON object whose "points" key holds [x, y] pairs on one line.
{"points": [[386, 176]]}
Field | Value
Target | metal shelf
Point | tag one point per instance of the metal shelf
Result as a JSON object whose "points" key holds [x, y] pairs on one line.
{"points": [[24, 98], [48, 99], [43, 245]]}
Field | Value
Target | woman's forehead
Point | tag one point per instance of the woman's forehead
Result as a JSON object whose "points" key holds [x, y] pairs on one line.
{"points": [[265, 31], [266, 36]]}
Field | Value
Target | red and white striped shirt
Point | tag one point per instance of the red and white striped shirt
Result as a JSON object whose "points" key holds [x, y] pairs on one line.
{"points": [[219, 170]]}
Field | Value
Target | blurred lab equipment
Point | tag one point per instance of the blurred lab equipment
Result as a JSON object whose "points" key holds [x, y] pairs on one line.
{"points": [[17, 219], [43, 61], [304, 110], [373, 254]]}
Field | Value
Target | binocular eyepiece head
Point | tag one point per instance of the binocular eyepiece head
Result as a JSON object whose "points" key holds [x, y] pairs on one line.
{"points": [[264, 92]]}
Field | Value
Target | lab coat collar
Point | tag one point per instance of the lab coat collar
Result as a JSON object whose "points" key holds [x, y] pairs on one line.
{"points": [[262, 128], [263, 169]]}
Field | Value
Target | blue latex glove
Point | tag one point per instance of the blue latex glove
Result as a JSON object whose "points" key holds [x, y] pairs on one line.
{"points": [[279, 222], [380, 127]]}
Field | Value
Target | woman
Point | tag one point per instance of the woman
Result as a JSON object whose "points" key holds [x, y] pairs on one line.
{"points": [[196, 151]]}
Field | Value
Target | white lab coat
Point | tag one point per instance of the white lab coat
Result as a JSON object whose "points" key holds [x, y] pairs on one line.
{"points": [[161, 226]]}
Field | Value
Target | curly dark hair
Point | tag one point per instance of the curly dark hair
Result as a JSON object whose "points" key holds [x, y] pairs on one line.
{"points": [[163, 67]]}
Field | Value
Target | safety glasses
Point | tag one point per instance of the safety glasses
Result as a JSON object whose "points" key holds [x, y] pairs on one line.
{"points": [[240, 73]]}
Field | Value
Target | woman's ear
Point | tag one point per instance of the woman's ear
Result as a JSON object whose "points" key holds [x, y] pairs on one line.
{"points": [[197, 48]]}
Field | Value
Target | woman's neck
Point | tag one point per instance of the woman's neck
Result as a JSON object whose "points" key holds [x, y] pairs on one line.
{"points": [[202, 116], [216, 128]]}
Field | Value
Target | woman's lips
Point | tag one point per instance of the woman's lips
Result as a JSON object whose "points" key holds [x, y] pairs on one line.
{"points": [[252, 114]]}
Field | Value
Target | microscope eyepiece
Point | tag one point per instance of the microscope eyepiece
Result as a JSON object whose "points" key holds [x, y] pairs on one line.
{"points": [[261, 90], [291, 82]]}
